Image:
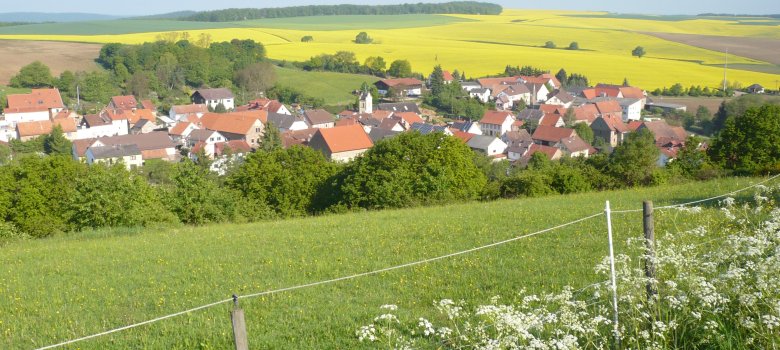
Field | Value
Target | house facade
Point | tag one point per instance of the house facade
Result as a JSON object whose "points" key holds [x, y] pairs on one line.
{"points": [[341, 144], [214, 97], [496, 123]]}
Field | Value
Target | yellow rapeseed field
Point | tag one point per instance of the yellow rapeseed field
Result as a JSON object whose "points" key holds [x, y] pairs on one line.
{"points": [[489, 43]]}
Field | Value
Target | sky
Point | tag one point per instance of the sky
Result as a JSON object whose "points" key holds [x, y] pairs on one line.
{"points": [[146, 7]]}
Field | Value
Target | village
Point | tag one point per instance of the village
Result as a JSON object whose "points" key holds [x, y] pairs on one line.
{"points": [[133, 132]]}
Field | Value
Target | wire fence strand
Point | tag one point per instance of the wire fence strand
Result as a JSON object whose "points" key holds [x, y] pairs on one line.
{"points": [[334, 280], [679, 205]]}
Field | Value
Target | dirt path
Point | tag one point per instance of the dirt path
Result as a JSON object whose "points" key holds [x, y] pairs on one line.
{"points": [[59, 56]]}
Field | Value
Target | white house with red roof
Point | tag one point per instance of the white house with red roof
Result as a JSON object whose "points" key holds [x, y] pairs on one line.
{"points": [[38, 105], [342, 143], [497, 123]]}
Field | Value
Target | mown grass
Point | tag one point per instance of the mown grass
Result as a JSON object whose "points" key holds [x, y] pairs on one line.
{"points": [[71, 286], [334, 88]]}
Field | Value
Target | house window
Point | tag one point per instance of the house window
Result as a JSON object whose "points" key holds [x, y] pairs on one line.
{"points": [[257, 129], [211, 139], [132, 157]]}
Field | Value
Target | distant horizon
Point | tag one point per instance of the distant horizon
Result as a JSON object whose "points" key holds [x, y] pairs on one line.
{"points": [[660, 7]]}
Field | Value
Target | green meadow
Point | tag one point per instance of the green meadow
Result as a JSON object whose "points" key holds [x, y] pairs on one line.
{"points": [[334, 88], [66, 287]]}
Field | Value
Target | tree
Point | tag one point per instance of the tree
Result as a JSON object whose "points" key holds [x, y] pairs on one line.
{"points": [[96, 86], [638, 52], [271, 139], [574, 46], [625, 82], [635, 160], [55, 143], [256, 78], [549, 45], [584, 132], [690, 159], [307, 39], [363, 38], [437, 80], [749, 143], [220, 108], [33, 75], [376, 65], [139, 84], [400, 69], [286, 179], [411, 169], [562, 76]]}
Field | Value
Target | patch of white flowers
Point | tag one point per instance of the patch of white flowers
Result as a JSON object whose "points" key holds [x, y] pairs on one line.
{"points": [[718, 285]]}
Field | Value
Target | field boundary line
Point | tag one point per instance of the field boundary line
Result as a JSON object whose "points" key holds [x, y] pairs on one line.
{"points": [[307, 285], [672, 206]]}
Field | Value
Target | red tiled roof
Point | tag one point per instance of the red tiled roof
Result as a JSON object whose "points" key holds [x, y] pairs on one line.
{"points": [[552, 109], [345, 138], [380, 114], [147, 104], [179, 128], [666, 133], [409, 117], [590, 93], [632, 92], [552, 134], [237, 146], [550, 119], [297, 137], [495, 117], [463, 136], [44, 127], [447, 76], [549, 151], [401, 82], [634, 125], [36, 101], [491, 82], [587, 112], [615, 123], [234, 123], [606, 107], [82, 145], [154, 154], [124, 102], [347, 121], [192, 108]]}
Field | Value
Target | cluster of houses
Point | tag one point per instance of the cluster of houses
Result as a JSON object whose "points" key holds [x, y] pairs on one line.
{"points": [[133, 132]]}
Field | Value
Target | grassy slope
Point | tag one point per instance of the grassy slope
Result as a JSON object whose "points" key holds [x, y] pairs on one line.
{"points": [[61, 288], [335, 88]]}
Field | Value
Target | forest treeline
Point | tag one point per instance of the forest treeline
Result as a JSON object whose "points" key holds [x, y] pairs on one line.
{"points": [[243, 14]]}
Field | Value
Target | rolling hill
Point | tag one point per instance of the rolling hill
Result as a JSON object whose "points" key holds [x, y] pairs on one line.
{"points": [[484, 44]]}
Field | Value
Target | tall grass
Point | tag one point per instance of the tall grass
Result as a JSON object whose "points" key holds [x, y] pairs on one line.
{"points": [[70, 286]]}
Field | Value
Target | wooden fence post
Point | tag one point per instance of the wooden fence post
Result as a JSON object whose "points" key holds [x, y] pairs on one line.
{"points": [[239, 326], [649, 228]]}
